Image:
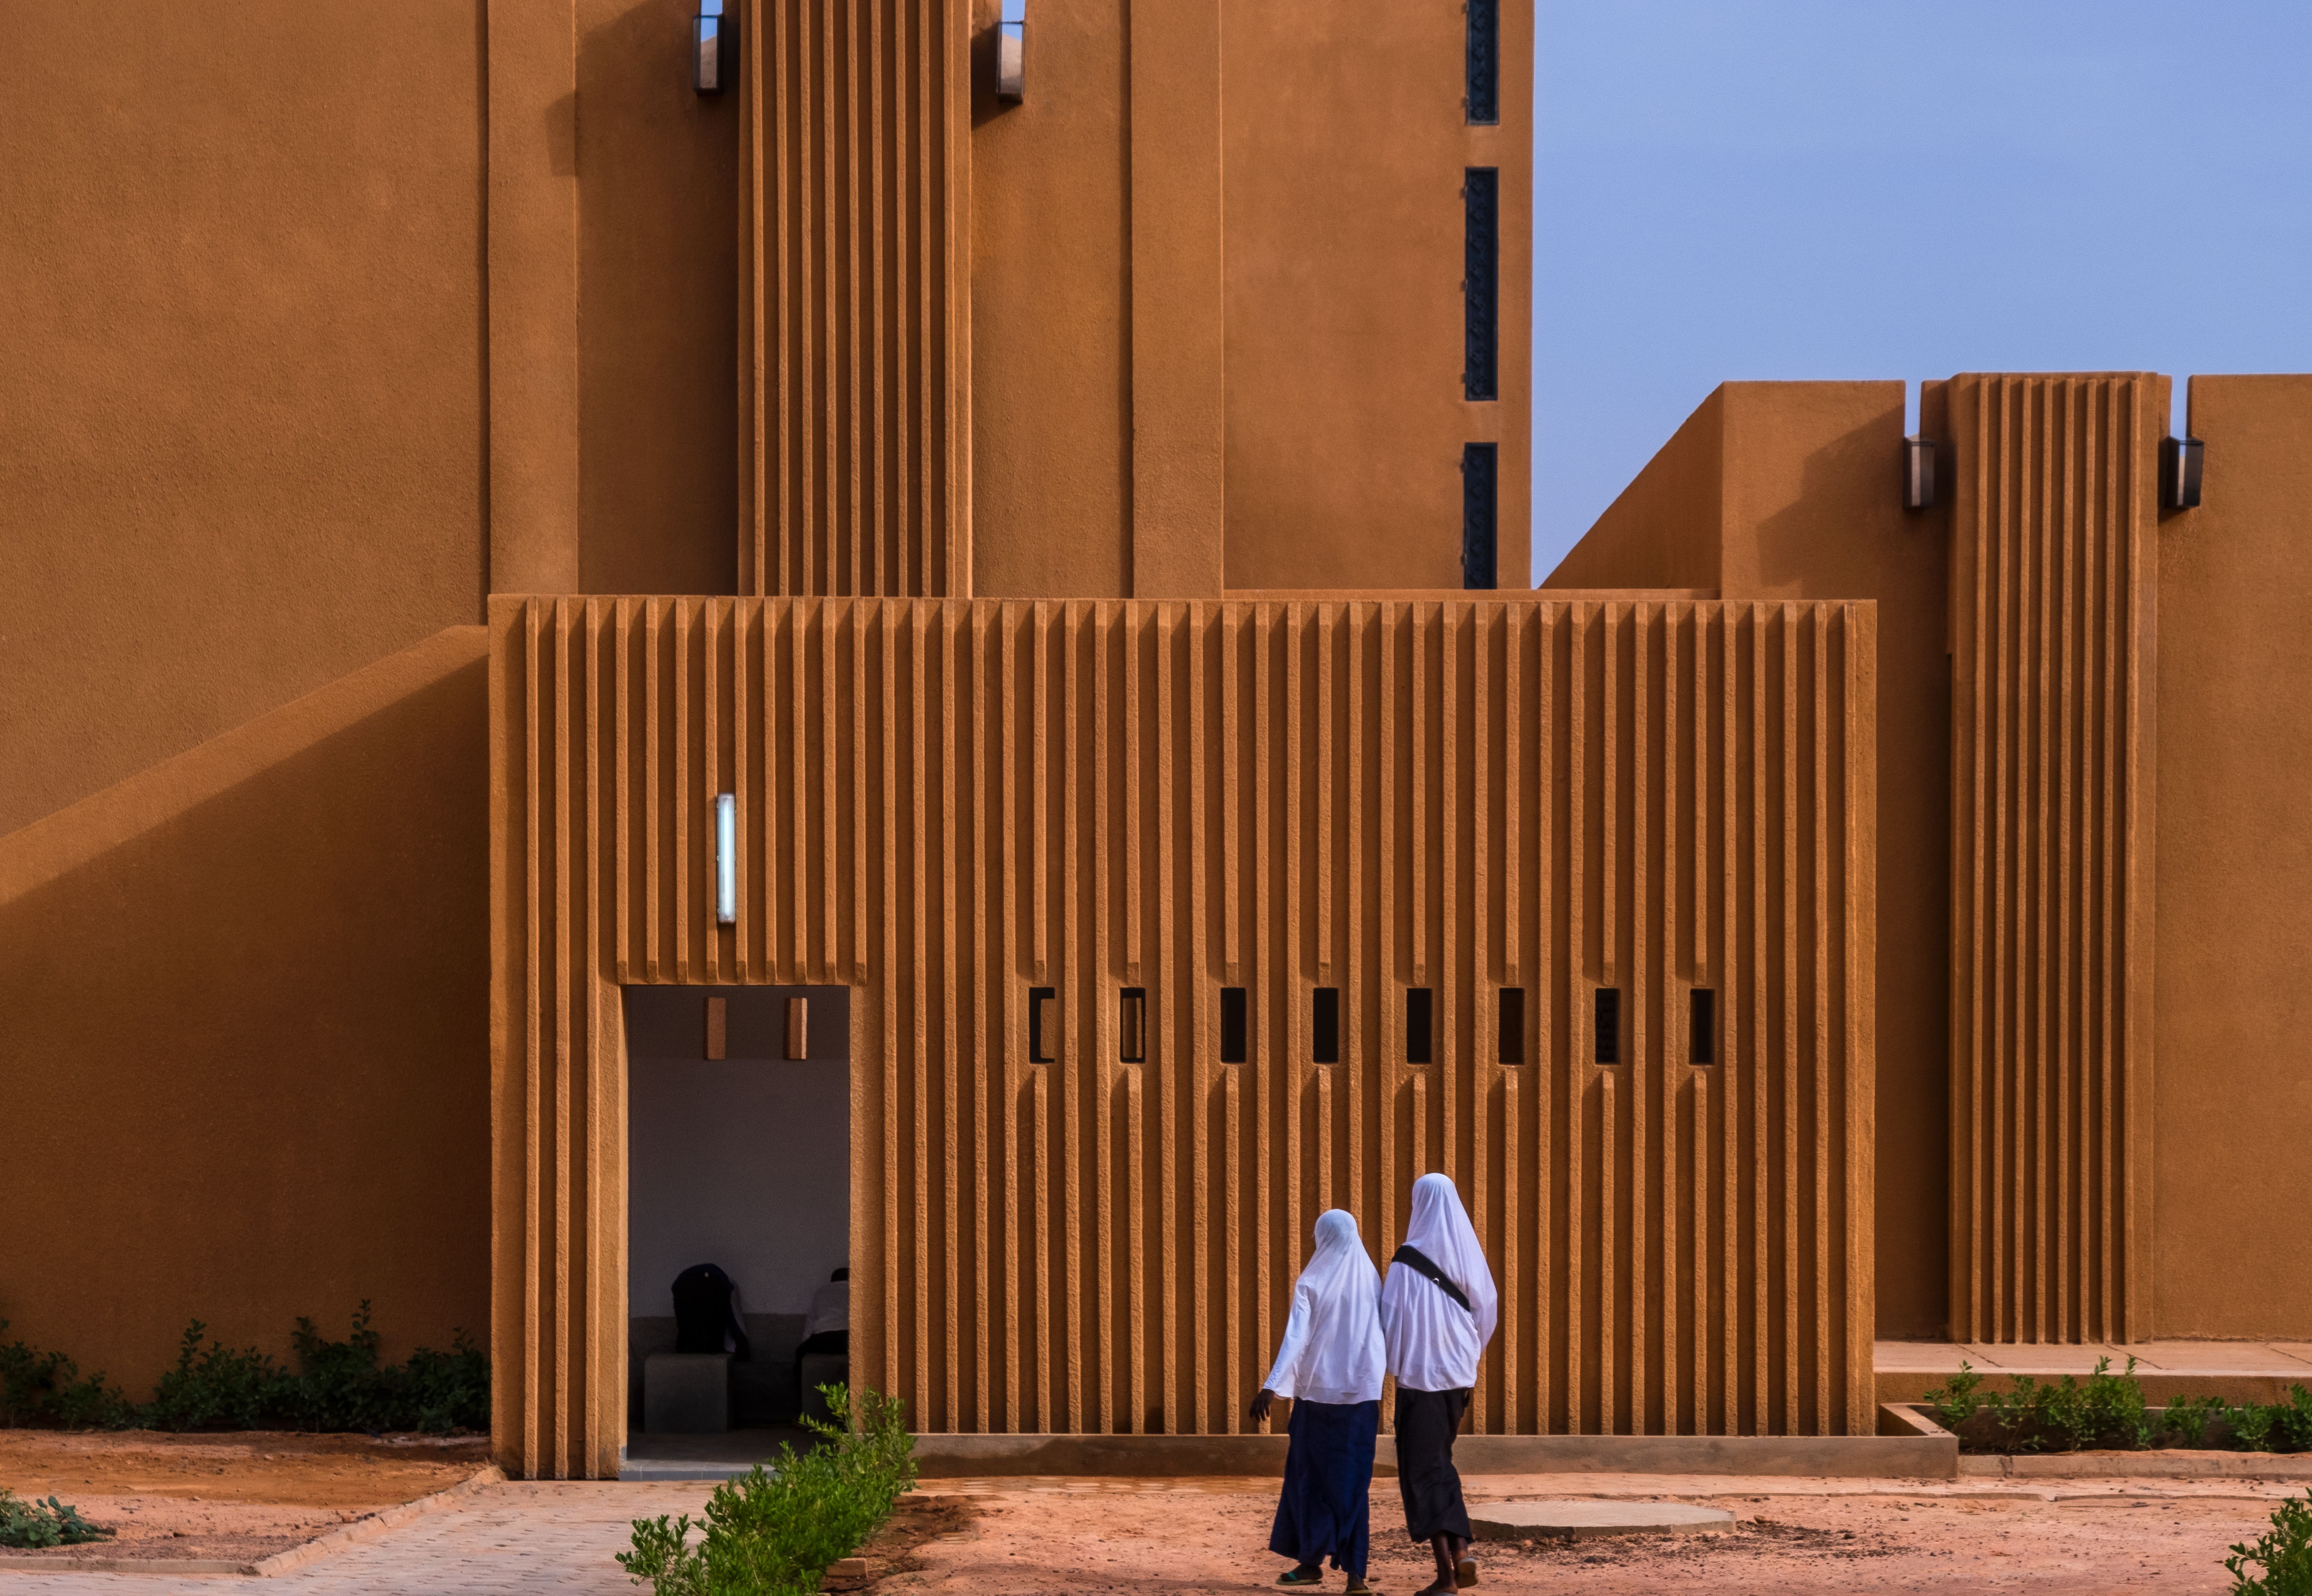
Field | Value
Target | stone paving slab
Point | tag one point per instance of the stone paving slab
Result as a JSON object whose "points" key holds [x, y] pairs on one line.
{"points": [[513, 1539], [1592, 1519]]}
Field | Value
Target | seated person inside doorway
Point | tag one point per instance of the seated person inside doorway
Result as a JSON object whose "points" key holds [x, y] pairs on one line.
{"points": [[826, 1332]]}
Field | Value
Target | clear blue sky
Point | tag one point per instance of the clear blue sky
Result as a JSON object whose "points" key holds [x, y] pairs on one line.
{"points": [[1856, 189]]}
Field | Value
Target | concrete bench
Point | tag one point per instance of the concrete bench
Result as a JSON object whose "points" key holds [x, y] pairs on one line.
{"points": [[686, 1393]]}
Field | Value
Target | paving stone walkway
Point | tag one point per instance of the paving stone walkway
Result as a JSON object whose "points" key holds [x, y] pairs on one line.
{"points": [[511, 1541]]}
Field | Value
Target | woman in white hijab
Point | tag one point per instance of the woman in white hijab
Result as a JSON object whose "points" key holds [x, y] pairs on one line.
{"points": [[1437, 1308], [1330, 1366]]}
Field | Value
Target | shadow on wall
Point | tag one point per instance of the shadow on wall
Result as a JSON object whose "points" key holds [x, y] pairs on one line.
{"points": [[246, 1054]]}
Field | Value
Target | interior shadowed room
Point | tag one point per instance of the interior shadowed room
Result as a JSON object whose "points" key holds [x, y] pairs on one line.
{"points": [[739, 1219]]}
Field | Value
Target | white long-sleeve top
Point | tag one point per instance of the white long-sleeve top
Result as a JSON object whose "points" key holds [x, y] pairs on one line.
{"points": [[1434, 1342], [1332, 1350]]}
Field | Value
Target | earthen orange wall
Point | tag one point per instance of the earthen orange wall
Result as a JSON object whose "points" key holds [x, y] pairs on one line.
{"points": [[1344, 149], [943, 804], [244, 392], [2055, 625], [1792, 491], [245, 1050], [2233, 1100]]}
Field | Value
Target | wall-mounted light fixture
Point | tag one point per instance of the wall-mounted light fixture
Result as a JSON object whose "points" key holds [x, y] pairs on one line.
{"points": [[1012, 52], [1918, 474], [2179, 472], [710, 55], [726, 859], [798, 1038]]}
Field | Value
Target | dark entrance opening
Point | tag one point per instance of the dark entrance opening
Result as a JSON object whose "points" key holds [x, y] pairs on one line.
{"points": [[739, 1156]]}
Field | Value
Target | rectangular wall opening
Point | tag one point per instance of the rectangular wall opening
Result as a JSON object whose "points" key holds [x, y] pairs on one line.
{"points": [[1480, 509], [1511, 1046], [1417, 1027], [1606, 1025], [740, 1162], [1233, 1026], [1702, 1026], [1040, 1033], [1481, 273], [1481, 98], [1325, 1025], [1132, 1025]]}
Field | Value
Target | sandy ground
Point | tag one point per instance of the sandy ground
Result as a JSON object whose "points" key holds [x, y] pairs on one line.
{"points": [[237, 1496], [1010, 1538]]}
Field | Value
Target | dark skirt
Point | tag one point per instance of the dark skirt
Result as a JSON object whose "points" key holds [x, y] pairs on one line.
{"points": [[1324, 1509], [1426, 1423]]}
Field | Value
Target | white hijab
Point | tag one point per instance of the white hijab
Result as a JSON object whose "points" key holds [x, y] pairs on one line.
{"points": [[1434, 1342], [1332, 1350]]}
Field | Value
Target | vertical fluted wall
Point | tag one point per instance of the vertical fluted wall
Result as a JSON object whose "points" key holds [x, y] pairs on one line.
{"points": [[945, 804], [2053, 592], [855, 304]]}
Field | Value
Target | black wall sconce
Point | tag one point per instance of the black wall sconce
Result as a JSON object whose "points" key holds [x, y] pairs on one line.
{"points": [[710, 55], [2180, 461]]}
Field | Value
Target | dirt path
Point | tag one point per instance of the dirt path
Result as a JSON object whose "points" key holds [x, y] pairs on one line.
{"points": [[237, 1496], [1029, 1541]]}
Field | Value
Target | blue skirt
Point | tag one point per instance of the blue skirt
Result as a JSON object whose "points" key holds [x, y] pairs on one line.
{"points": [[1324, 1508]]}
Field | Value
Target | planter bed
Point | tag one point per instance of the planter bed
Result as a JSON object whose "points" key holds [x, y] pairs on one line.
{"points": [[2198, 1462]]}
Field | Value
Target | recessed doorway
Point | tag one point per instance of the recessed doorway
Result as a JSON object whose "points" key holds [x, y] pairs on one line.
{"points": [[739, 1158]]}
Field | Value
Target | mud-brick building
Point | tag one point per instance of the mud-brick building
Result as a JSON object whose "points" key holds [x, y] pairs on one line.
{"points": [[919, 656]]}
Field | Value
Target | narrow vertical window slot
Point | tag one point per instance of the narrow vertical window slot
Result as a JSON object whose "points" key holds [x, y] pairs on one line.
{"points": [[1702, 1026], [1040, 1034], [1417, 1027], [1512, 1050], [1233, 1026], [1325, 1024], [1481, 273], [1480, 467], [1132, 1025], [1606, 1033], [1481, 102]]}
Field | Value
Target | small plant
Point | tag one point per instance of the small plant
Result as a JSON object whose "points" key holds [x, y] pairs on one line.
{"points": [[214, 1389], [2187, 1419], [2107, 1411], [774, 1534], [36, 1524], [36, 1385], [2284, 1554], [1954, 1402], [2252, 1426]]}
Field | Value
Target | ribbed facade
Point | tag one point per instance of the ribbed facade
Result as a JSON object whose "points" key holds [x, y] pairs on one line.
{"points": [[2053, 599], [854, 318], [947, 803]]}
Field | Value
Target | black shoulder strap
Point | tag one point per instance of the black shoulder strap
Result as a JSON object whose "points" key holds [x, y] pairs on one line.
{"points": [[1416, 1259]]}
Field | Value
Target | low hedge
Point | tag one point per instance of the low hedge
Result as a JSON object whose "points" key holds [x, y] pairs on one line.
{"points": [[2108, 1411], [335, 1386]]}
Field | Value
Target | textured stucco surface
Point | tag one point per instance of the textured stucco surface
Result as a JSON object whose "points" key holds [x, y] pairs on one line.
{"points": [[2232, 1142], [246, 1016], [240, 277], [1790, 490]]}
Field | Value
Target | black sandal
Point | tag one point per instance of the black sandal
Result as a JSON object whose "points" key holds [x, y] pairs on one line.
{"points": [[1306, 1574]]}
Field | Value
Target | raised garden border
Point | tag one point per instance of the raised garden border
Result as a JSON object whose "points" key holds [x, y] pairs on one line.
{"points": [[1910, 1418]]}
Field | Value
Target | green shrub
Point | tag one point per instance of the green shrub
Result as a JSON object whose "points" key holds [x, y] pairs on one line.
{"points": [[2284, 1554], [775, 1533], [2187, 1418], [36, 1524], [214, 1389], [336, 1386], [36, 1385], [2252, 1425], [1955, 1403]]}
